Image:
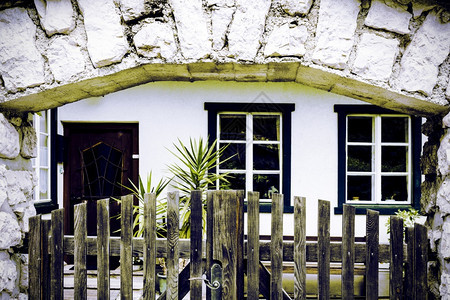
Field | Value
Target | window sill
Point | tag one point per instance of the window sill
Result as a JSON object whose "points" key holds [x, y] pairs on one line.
{"points": [[384, 209]]}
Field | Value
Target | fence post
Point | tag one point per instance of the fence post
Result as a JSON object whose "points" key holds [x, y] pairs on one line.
{"points": [[253, 245], [34, 254], [209, 237], [300, 248], [80, 233], [196, 244], [372, 253], [323, 248], [240, 244], [173, 235], [276, 248], [396, 260], [103, 230], [126, 248], [420, 261], [348, 252], [56, 257], [149, 246]]}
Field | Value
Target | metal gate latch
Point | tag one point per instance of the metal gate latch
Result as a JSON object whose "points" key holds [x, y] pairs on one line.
{"points": [[214, 286]]}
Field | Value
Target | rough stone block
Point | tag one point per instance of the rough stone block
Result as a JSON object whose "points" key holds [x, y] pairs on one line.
{"points": [[286, 40], [29, 142], [8, 273], [21, 64], [155, 39], [375, 57], [10, 229], [446, 121], [106, 39], [192, 28], [9, 143], [443, 198], [429, 160], [220, 20], [247, 28], [65, 59], [335, 31], [298, 7], [56, 16], [132, 9], [423, 56], [392, 17], [443, 155]]}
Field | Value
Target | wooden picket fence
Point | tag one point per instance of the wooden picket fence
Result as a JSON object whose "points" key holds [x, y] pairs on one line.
{"points": [[225, 250]]}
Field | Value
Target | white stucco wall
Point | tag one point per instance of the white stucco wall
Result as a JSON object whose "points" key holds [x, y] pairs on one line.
{"points": [[166, 111]]}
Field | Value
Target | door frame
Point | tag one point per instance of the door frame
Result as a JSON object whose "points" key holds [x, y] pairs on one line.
{"points": [[70, 127]]}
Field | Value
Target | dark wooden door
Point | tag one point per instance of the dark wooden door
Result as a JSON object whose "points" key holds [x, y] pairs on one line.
{"points": [[100, 159]]}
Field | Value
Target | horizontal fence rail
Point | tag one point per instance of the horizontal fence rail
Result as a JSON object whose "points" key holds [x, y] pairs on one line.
{"points": [[225, 250]]}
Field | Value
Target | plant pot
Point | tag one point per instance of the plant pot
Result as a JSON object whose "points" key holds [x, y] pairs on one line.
{"points": [[162, 282]]}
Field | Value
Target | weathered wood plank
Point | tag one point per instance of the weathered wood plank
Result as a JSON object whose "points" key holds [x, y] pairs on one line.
{"points": [[224, 244], [103, 233], [209, 238], [348, 254], [196, 244], [409, 265], [372, 254], [276, 249], [240, 267], [80, 232], [300, 248], [253, 245], [126, 247], [396, 267], [45, 233], [323, 250], [56, 255], [420, 261], [173, 235], [149, 246], [34, 255]]}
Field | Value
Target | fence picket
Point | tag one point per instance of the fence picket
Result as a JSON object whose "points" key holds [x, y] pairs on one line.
{"points": [[173, 234], [209, 237], [196, 245], [149, 246], [323, 250], [396, 263], [253, 245], [409, 265], [80, 232], [276, 247], [240, 267], [300, 248], [34, 254], [103, 232], [126, 248], [348, 254], [45, 233], [372, 254], [420, 261], [56, 255]]}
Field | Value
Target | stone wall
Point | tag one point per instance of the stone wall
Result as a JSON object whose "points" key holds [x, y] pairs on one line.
{"points": [[380, 51], [17, 147]]}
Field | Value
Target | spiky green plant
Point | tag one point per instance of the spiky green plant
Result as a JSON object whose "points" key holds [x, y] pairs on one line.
{"points": [[191, 172]]}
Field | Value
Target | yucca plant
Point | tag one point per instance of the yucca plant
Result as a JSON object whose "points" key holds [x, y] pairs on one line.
{"points": [[192, 173]]}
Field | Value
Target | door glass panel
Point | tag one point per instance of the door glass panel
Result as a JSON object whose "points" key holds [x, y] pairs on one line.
{"points": [[232, 127], [359, 158], [394, 158], [266, 157], [266, 128], [394, 129], [360, 129], [233, 157], [394, 188], [266, 184], [359, 188]]}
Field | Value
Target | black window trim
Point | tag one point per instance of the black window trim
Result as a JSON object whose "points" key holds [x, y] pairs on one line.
{"points": [[286, 110], [48, 206], [416, 144]]}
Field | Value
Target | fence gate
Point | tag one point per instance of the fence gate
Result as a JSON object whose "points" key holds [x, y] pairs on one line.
{"points": [[225, 256]]}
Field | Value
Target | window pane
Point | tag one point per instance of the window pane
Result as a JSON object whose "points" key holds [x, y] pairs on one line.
{"points": [[394, 188], [359, 188], [360, 129], [266, 184], [232, 127], [43, 156], [236, 182], [233, 157], [394, 158], [266, 128], [266, 157], [394, 129], [359, 158], [43, 181], [43, 122]]}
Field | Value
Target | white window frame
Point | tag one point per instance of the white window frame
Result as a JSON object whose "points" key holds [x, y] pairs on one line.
{"points": [[249, 142], [36, 162], [376, 172]]}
